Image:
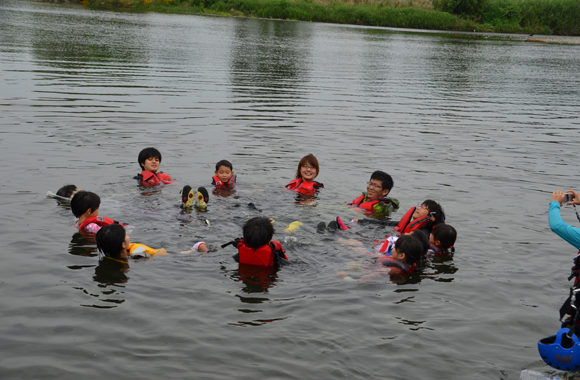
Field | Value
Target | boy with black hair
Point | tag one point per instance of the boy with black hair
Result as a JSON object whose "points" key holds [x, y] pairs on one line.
{"points": [[85, 206], [375, 200], [150, 159], [224, 174], [257, 247]]}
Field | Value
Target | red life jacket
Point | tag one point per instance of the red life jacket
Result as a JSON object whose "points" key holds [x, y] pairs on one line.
{"points": [[369, 203], [218, 182], [100, 220], [263, 256], [407, 225], [390, 262], [148, 178], [304, 187]]}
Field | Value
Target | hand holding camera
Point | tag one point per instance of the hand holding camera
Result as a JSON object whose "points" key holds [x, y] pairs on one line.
{"points": [[569, 197]]}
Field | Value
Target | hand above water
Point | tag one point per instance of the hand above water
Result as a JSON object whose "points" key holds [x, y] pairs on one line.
{"points": [[559, 195]]}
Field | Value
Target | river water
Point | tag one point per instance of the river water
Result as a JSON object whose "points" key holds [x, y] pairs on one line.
{"points": [[486, 127]]}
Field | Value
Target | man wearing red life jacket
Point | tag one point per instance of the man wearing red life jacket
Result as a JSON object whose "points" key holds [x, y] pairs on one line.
{"points": [[150, 159], [375, 200]]}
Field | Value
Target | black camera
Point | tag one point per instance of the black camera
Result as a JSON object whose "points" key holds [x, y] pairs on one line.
{"points": [[567, 198]]}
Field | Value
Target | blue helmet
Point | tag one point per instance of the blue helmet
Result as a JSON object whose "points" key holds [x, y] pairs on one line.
{"points": [[561, 351]]}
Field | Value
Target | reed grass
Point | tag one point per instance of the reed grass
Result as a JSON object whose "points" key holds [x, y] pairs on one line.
{"points": [[561, 17]]}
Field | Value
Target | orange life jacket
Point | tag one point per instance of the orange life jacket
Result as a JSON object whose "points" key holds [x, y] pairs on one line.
{"points": [[304, 187], [100, 220], [268, 255], [407, 225], [148, 178], [369, 203], [218, 182]]}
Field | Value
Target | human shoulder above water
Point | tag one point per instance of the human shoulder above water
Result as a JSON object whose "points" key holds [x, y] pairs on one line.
{"points": [[149, 160], [375, 200], [85, 206], [224, 174], [308, 170], [113, 242]]}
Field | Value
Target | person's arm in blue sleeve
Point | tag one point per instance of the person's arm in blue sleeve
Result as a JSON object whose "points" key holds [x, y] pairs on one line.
{"points": [[560, 228]]}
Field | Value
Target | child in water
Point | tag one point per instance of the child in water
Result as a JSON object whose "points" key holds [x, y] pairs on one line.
{"points": [[257, 247], [375, 200], [422, 217], [224, 174], [85, 206], [386, 249], [307, 170], [113, 242], [405, 259], [150, 159], [67, 191], [442, 239]]}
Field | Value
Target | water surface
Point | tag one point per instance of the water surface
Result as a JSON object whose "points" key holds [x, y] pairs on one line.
{"points": [[487, 128]]}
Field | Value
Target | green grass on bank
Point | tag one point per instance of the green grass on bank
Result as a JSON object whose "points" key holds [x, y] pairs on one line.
{"points": [[560, 17]]}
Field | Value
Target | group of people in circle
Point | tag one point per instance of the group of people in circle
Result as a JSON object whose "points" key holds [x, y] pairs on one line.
{"points": [[421, 231]]}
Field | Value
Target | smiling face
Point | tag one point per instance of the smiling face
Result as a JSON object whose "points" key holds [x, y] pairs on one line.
{"points": [[308, 172], [224, 173], [375, 189], [151, 164]]}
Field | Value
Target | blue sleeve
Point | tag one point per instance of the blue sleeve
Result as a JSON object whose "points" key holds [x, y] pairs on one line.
{"points": [[564, 230]]}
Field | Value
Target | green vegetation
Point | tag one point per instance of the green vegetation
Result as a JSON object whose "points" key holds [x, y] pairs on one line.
{"points": [[560, 17]]}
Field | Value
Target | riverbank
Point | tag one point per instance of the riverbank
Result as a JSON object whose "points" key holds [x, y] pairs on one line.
{"points": [[548, 17]]}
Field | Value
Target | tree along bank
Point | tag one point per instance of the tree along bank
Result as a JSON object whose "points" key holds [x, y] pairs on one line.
{"points": [[558, 17]]}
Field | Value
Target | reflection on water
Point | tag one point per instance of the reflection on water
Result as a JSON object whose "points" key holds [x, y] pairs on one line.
{"points": [[487, 128], [83, 244]]}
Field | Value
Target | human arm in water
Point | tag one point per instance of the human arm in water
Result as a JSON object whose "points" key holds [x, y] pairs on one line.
{"points": [[377, 221], [557, 225]]}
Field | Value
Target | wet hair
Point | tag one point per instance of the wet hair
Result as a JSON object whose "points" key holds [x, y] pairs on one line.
{"points": [[84, 200], [423, 238], [386, 180], [312, 161], [225, 163], [436, 211], [66, 191], [257, 232], [411, 247], [146, 154], [446, 236], [110, 240]]}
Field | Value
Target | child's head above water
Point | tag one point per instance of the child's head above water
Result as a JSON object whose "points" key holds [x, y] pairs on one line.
{"points": [[431, 208], [422, 237], [257, 232], [308, 168], [149, 159], [380, 184], [408, 249], [83, 202], [113, 241], [224, 170], [67, 191], [443, 236]]}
